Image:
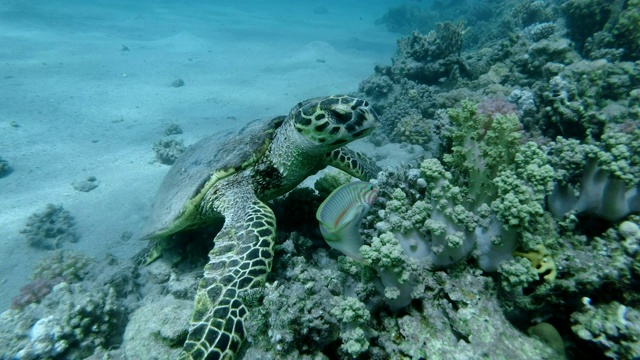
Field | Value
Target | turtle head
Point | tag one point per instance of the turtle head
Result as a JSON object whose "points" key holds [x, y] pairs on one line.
{"points": [[334, 120]]}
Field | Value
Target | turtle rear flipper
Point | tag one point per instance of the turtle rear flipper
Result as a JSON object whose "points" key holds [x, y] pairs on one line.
{"points": [[240, 261]]}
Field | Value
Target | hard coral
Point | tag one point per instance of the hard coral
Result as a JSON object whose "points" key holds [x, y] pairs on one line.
{"points": [[445, 40], [70, 322], [627, 31], [50, 228], [34, 292], [168, 150], [585, 17], [429, 58], [413, 129], [70, 265], [614, 327]]}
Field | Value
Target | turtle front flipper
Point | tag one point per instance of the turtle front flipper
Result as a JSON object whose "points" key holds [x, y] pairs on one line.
{"points": [[240, 261], [353, 163]]}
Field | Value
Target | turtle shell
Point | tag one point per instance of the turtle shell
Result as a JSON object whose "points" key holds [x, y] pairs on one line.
{"points": [[200, 167]]}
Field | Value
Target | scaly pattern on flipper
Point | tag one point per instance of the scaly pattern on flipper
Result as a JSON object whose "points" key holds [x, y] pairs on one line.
{"points": [[353, 163], [240, 261]]}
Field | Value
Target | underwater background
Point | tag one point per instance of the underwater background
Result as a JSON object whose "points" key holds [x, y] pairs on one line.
{"points": [[507, 223]]}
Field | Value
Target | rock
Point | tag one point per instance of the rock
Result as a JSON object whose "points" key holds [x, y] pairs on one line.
{"points": [[158, 329], [85, 185]]}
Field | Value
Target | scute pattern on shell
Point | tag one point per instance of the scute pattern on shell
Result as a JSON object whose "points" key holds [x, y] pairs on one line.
{"points": [[220, 154]]}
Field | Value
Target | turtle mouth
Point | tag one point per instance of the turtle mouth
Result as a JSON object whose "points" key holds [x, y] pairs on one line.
{"points": [[363, 132]]}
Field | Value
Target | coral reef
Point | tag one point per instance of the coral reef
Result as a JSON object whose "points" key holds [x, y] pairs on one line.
{"points": [[488, 189], [412, 129], [626, 30], [540, 31], [329, 181], [428, 59], [538, 202], [458, 323], [568, 93], [320, 308], [34, 292], [70, 322], [51, 228], [296, 312], [613, 327], [585, 18], [81, 307], [610, 184], [168, 150], [67, 266]]}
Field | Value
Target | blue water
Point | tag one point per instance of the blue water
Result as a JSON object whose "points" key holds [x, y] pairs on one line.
{"points": [[82, 106]]}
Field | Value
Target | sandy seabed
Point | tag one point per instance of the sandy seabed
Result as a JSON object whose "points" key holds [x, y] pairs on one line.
{"points": [[74, 102]]}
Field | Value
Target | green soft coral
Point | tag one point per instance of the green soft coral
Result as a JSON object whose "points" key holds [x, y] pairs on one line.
{"points": [[532, 165], [385, 253], [521, 192], [482, 146], [394, 268], [516, 205], [620, 155], [354, 318], [609, 185]]}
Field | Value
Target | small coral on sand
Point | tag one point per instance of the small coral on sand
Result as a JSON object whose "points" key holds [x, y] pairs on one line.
{"points": [[5, 168], [168, 149], [50, 228]]}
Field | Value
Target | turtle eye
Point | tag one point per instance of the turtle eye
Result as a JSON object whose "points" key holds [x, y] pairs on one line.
{"points": [[322, 126], [341, 116]]}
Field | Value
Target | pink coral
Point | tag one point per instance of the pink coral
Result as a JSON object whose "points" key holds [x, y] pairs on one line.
{"points": [[34, 292], [492, 106]]}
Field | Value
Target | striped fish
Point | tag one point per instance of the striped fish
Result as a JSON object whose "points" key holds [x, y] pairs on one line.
{"points": [[341, 213]]}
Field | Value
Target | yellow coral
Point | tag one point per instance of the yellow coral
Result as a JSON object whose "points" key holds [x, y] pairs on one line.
{"points": [[541, 260], [413, 129]]}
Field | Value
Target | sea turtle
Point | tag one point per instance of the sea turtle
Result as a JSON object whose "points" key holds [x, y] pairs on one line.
{"points": [[227, 179]]}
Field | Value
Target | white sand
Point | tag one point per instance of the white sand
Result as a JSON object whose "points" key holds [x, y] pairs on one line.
{"points": [[65, 81]]}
